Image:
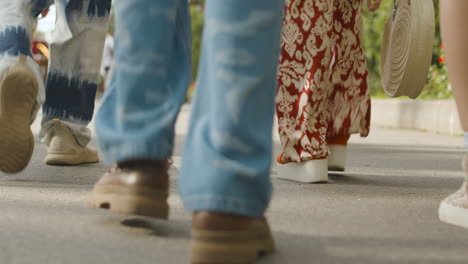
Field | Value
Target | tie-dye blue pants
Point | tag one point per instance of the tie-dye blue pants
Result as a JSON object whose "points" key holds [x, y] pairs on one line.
{"points": [[75, 56], [228, 148]]}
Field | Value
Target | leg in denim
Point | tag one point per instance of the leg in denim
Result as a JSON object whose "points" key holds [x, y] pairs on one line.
{"points": [[76, 52], [149, 82], [228, 150]]}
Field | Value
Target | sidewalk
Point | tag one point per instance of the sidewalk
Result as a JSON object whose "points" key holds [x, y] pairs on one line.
{"points": [[433, 116], [383, 209]]}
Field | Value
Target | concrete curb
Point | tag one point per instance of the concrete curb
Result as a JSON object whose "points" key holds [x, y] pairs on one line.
{"points": [[437, 116]]}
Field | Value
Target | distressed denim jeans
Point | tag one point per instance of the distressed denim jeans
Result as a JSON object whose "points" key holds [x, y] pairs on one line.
{"points": [[228, 149], [75, 57]]}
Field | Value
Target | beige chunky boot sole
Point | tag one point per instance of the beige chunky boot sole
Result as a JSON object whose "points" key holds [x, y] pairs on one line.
{"points": [[130, 200], [231, 247], [18, 91], [70, 159]]}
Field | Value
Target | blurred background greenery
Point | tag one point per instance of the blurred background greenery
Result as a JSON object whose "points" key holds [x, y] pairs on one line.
{"points": [[437, 87]]}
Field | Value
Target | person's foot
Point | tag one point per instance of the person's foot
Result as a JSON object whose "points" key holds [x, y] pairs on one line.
{"points": [[338, 152], [310, 171], [64, 149], [228, 239], [337, 157], [18, 91], [138, 187], [454, 209]]}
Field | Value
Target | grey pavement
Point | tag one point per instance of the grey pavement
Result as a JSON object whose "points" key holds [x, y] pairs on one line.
{"points": [[383, 209]]}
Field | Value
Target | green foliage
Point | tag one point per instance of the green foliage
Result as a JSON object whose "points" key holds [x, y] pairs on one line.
{"points": [[438, 86], [196, 11]]}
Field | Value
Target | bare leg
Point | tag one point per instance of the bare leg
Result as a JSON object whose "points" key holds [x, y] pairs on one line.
{"points": [[454, 209], [455, 36]]}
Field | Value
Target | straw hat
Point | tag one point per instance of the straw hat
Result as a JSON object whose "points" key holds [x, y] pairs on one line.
{"points": [[407, 47]]}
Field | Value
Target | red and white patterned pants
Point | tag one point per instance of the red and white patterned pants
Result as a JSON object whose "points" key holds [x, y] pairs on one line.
{"points": [[322, 78]]}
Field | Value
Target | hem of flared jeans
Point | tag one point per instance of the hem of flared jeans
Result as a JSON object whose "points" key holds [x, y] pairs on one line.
{"points": [[133, 151], [78, 129], [51, 112], [224, 205]]}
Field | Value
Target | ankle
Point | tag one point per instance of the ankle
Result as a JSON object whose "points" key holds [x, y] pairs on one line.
{"points": [[143, 164], [338, 140]]}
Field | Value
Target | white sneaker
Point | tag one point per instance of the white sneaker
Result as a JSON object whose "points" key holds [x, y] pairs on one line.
{"points": [[311, 171], [454, 209], [337, 157], [65, 150], [18, 91]]}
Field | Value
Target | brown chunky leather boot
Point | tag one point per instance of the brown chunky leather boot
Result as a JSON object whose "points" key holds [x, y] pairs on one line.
{"points": [[137, 187], [229, 239]]}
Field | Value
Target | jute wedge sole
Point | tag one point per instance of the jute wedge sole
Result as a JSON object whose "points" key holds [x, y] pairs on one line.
{"points": [[231, 247], [18, 91], [130, 200]]}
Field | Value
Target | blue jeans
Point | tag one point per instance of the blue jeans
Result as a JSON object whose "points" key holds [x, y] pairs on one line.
{"points": [[75, 57], [228, 149]]}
